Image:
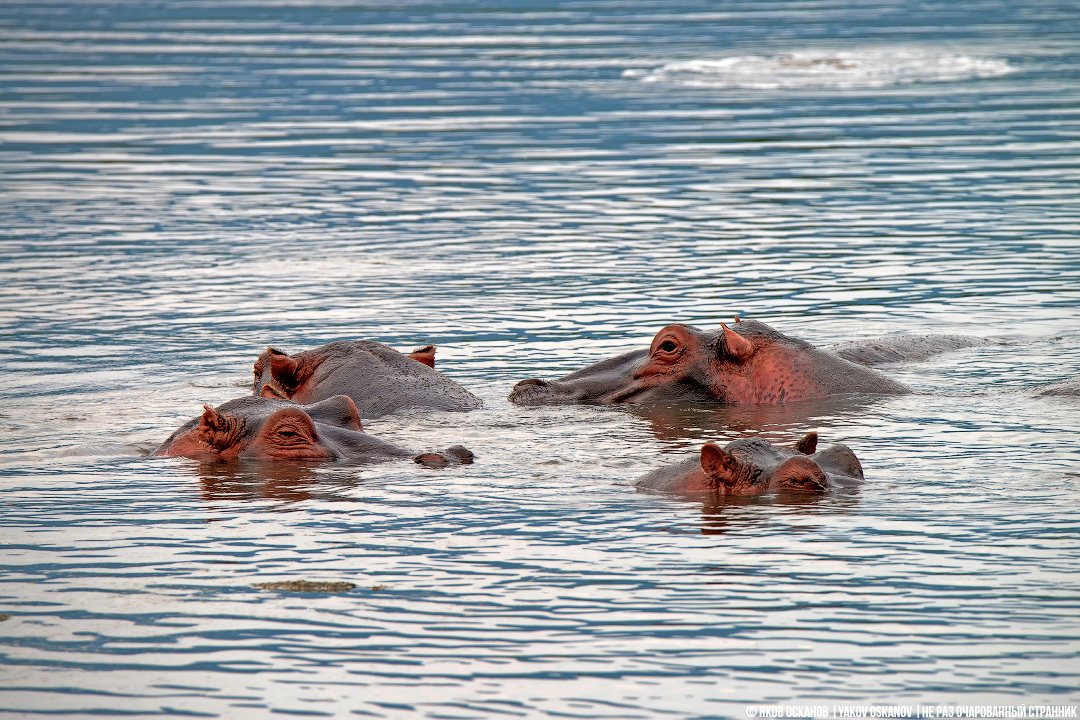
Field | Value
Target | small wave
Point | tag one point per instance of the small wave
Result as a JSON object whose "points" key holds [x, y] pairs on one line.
{"points": [[825, 69]]}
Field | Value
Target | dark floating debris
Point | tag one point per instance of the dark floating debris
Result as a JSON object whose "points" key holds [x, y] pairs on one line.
{"points": [[306, 586]]}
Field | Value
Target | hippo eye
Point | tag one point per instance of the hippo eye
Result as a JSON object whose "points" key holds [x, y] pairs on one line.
{"points": [[290, 434], [668, 346]]}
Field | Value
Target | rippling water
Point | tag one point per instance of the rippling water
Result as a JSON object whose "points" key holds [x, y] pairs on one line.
{"points": [[534, 187]]}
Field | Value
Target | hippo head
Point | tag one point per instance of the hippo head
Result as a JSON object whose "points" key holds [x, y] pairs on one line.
{"points": [[682, 363], [268, 429], [747, 363], [273, 429], [752, 466], [280, 375]]}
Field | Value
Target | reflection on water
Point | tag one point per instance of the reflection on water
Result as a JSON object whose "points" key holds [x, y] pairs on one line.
{"points": [[693, 424], [289, 482], [183, 184], [720, 515]]}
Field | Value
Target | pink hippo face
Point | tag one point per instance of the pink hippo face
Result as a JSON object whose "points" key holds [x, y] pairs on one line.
{"points": [[274, 429]]}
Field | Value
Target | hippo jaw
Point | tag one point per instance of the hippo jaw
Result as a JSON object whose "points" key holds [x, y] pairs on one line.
{"points": [[607, 382], [453, 455], [555, 392], [534, 391], [626, 379]]}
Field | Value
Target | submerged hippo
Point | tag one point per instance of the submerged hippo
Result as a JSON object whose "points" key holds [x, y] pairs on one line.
{"points": [[379, 379], [754, 466], [1062, 388], [749, 362], [273, 429]]}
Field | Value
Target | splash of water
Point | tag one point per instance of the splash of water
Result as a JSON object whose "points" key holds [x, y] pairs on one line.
{"points": [[825, 69]]}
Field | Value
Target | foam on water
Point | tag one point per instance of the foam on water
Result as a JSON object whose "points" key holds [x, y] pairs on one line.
{"points": [[859, 68]]}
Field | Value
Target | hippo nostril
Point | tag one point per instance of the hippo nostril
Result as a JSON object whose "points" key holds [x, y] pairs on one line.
{"points": [[533, 381]]}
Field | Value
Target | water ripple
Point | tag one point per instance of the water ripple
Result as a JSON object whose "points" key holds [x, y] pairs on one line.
{"points": [[184, 184]]}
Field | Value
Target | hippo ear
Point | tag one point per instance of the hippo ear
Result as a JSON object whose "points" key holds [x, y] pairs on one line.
{"points": [[284, 370], [808, 444], [717, 463], [263, 360], [424, 355], [734, 345], [220, 430]]}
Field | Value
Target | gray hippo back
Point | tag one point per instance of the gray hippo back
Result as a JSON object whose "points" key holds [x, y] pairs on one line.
{"points": [[379, 379]]}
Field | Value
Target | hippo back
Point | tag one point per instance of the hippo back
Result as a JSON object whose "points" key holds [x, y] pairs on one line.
{"points": [[833, 373]]}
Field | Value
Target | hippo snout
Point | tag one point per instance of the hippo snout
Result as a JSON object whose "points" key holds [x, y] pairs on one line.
{"points": [[453, 455], [532, 390]]}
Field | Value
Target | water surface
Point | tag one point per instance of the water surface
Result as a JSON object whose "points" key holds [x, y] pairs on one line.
{"points": [[534, 187]]}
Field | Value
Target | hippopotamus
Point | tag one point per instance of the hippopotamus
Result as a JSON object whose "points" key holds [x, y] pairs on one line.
{"points": [[908, 348], [754, 466], [746, 363], [1062, 388], [379, 379], [274, 429]]}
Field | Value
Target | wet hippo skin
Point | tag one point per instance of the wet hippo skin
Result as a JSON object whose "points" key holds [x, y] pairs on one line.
{"points": [[754, 466], [274, 429], [747, 363], [379, 379]]}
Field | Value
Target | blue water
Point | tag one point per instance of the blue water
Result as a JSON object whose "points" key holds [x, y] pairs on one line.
{"points": [[534, 187]]}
